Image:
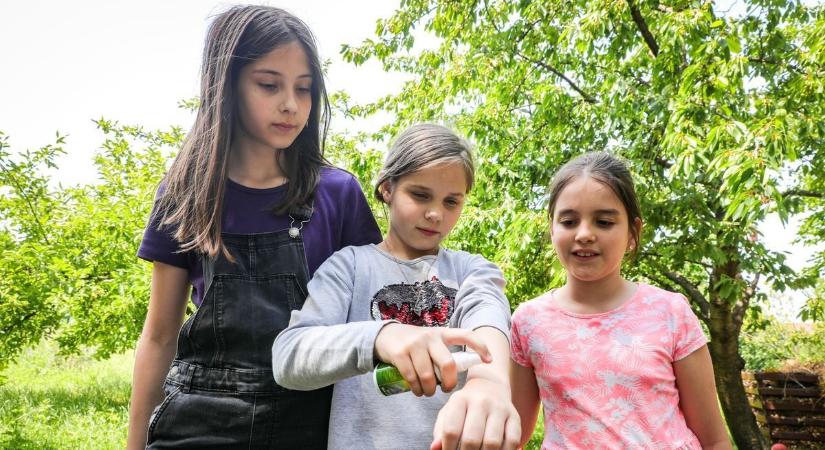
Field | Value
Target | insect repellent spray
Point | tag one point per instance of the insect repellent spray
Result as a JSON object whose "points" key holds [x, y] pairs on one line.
{"points": [[389, 380]]}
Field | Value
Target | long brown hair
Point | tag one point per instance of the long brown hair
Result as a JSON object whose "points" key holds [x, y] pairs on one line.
{"points": [[193, 189]]}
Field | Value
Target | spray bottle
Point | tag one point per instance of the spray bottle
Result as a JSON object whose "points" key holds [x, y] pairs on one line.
{"points": [[389, 380]]}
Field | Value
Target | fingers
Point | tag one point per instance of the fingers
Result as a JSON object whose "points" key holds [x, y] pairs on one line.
{"points": [[473, 434], [444, 362], [478, 417], [459, 336], [450, 424], [494, 432], [424, 371], [512, 433], [417, 352], [406, 368]]}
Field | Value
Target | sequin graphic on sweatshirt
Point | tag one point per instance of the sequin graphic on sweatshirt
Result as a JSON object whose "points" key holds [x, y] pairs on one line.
{"points": [[424, 304]]}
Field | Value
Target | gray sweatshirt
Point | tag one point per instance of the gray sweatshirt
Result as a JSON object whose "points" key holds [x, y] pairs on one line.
{"points": [[352, 296]]}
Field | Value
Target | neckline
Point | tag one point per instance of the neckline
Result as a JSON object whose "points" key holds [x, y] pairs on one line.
{"points": [[407, 262], [551, 301], [240, 187]]}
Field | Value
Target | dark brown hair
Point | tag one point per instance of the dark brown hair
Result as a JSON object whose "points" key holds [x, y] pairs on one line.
{"points": [[608, 170], [193, 189]]}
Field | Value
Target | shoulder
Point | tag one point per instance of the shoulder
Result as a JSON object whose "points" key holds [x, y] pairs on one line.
{"points": [[531, 307], [673, 303], [349, 256], [334, 179], [656, 293], [467, 262]]}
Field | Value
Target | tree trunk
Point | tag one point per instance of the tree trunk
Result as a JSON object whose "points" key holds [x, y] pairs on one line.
{"points": [[727, 367]]}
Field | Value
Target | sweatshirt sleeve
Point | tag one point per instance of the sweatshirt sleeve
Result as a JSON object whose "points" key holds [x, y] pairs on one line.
{"points": [[480, 300], [319, 347]]}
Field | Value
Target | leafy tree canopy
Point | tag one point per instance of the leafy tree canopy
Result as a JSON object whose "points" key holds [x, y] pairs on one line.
{"points": [[719, 116]]}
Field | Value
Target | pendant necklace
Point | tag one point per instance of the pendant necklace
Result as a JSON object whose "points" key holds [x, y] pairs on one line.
{"points": [[294, 231]]}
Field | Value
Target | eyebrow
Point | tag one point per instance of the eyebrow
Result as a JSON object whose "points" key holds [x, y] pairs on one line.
{"points": [[276, 73], [607, 212], [425, 188]]}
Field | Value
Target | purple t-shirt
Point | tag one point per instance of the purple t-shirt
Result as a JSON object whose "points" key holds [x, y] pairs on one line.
{"points": [[341, 217]]}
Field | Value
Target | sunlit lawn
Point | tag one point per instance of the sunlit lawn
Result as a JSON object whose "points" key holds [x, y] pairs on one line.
{"points": [[53, 402]]}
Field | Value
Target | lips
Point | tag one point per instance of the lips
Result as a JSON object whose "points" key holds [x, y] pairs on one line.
{"points": [[584, 253], [283, 126], [427, 231]]}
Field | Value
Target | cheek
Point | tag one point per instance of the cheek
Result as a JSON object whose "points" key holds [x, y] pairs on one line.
{"points": [[555, 238], [306, 105], [454, 216]]}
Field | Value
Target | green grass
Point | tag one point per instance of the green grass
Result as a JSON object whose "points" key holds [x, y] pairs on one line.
{"points": [[538, 434], [53, 402]]}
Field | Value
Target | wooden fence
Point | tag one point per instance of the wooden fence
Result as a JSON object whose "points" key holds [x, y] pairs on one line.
{"points": [[789, 406]]}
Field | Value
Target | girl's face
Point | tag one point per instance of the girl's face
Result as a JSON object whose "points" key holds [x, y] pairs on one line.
{"points": [[274, 98], [590, 230], [424, 207]]}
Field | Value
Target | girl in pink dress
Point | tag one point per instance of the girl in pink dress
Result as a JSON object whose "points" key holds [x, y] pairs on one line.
{"points": [[615, 364]]}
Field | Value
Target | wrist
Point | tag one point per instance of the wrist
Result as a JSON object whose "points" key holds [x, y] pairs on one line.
{"points": [[377, 354], [485, 373]]}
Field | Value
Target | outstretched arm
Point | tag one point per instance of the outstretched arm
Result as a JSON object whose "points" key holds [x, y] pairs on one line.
{"points": [[319, 347], [481, 414]]}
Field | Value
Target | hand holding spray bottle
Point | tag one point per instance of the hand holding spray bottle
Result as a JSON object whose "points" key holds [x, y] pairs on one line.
{"points": [[389, 380]]}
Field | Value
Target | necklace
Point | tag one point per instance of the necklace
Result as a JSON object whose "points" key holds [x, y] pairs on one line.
{"points": [[294, 231], [416, 284]]}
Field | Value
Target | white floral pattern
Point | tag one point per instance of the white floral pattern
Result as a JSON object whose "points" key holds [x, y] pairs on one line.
{"points": [[606, 380]]}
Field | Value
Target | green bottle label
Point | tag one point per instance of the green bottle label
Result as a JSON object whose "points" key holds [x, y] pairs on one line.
{"points": [[389, 380]]}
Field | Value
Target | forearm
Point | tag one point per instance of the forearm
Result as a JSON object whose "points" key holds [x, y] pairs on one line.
{"points": [[311, 357], [499, 348], [525, 397], [152, 361]]}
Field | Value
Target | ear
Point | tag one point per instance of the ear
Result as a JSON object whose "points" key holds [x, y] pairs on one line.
{"points": [[637, 227], [386, 191]]}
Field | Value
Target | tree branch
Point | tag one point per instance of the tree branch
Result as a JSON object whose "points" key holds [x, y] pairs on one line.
{"points": [[698, 263], [803, 193], [643, 29], [21, 192], [587, 97], [773, 62], [693, 293], [751, 289]]}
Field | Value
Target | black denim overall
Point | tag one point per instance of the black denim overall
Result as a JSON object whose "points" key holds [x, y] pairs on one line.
{"points": [[220, 392]]}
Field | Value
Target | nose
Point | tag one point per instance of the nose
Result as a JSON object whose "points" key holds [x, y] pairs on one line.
{"points": [[584, 232], [288, 102], [433, 214]]}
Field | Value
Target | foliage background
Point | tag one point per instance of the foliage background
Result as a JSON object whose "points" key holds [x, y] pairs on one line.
{"points": [[719, 117]]}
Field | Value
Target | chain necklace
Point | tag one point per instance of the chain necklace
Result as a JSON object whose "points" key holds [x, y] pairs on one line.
{"points": [[416, 284], [294, 231]]}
